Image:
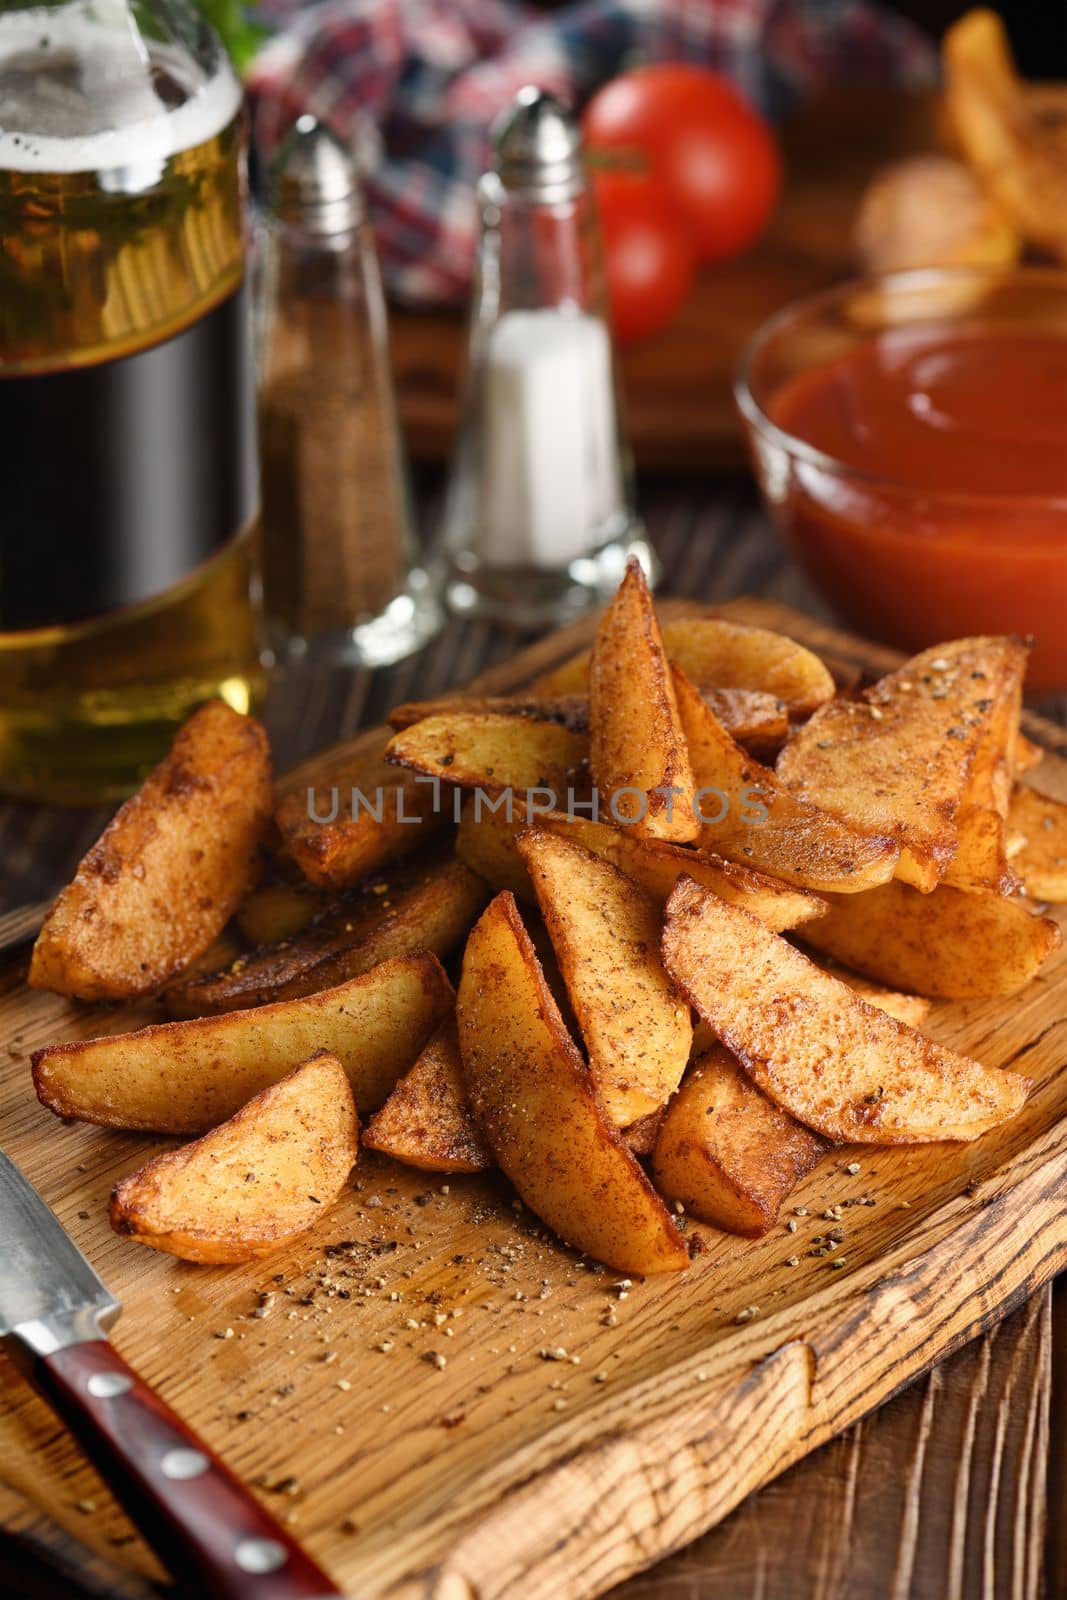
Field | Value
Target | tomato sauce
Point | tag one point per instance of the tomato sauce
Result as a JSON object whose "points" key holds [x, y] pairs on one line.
{"points": [[953, 518]]}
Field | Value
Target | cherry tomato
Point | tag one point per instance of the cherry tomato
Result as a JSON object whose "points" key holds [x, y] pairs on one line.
{"points": [[648, 257], [714, 156]]}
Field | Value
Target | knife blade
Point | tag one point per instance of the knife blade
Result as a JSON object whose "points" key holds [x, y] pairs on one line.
{"points": [[206, 1527]]}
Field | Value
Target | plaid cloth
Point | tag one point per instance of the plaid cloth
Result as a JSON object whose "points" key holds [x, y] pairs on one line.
{"points": [[414, 84]]}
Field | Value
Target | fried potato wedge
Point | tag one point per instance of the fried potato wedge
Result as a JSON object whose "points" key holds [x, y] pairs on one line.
{"points": [[605, 931], [487, 843], [534, 1100], [949, 945], [911, 1009], [897, 760], [721, 655], [480, 750], [1041, 860], [754, 819], [426, 1121], [726, 1152], [250, 1186], [931, 211], [1019, 162], [981, 858], [637, 749], [365, 815], [276, 910], [843, 1068], [186, 1077], [169, 869], [418, 905]]}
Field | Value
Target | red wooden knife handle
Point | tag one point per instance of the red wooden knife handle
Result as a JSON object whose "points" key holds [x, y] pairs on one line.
{"points": [[206, 1527]]}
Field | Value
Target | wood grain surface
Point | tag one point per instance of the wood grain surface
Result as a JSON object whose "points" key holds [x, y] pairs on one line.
{"points": [[677, 386], [506, 1473]]}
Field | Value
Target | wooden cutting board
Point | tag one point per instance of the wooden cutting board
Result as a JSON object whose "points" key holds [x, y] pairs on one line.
{"points": [[678, 386], [581, 1426]]}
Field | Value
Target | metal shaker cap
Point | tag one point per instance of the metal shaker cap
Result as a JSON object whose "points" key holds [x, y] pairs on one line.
{"points": [[538, 147], [315, 180]]}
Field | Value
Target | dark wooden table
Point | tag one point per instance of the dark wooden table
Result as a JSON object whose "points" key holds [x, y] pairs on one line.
{"points": [[950, 1492]]}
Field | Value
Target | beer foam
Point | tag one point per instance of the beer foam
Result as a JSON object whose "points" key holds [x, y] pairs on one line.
{"points": [[150, 130]]}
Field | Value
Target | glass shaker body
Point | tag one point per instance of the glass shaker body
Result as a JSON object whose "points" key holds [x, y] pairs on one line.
{"points": [[127, 538], [340, 569], [539, 516]]}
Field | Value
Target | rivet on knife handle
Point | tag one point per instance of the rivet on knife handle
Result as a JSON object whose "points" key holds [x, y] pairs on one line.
{"points": [[204, 1524]]}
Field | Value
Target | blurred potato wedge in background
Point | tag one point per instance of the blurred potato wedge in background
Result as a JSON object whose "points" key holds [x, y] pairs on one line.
{"points": [[820, 1052], [949, 945], [250, 1186], [726, 1152], [427, 1121], [605, 931], [417, 905], [762, 825], [931, 211], [533, 1098], [169, 869], [637, 749], [482, 750], [187, 1077], [371, 812], [487, 843], [1041, 860], [897, 760]]}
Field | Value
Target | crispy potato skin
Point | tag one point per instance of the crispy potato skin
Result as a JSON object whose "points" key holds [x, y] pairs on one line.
{"points": [[720, 655], [488, 846], [169, 869], [187, 1077], [820, 1052], [251, 1185], [427, 1120], [533, 1098], [417, 906], [949, 945], [897, 761], [636, 740], [1042, 859], [793, 841], [336, 854], [606, 931], [487, 751], [727, 1152]]}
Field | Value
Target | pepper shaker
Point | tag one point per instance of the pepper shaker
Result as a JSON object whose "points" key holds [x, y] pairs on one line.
{"points": [[340, 574], [539, 517]]}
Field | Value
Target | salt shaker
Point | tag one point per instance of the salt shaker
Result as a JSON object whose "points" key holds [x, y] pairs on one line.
{"points": [[340, 574], [539, 517]]}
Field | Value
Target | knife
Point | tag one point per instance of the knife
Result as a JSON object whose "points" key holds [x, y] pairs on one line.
{"points": [[205, 1526]]}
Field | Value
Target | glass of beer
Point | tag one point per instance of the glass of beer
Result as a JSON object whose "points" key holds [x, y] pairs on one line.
{"points": [[129, 492]]}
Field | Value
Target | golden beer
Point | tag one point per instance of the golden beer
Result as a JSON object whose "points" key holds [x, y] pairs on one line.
{"points": [[128, 493]]}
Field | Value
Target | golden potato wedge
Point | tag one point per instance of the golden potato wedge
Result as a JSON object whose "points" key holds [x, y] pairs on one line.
{"points": [[729, 1154], [720, 655], [275, 911], [418, 905], [169, 869], [186, 1077], [484, 751], [534, 1100], [981, 858], [896, 761], [753, 819], [930, 210], [992, 121], [250, 1186], [1041, 860], [487, 844], [426, 1121], [637, 750], [605, 931], [840, 1066], [365, 815], [949, 945]]}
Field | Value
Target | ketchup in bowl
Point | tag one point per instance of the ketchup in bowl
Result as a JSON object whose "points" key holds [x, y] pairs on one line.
{"points": [[918, 470]]}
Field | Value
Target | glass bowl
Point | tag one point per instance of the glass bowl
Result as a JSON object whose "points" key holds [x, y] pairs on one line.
{"points": [[928, 546]]}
